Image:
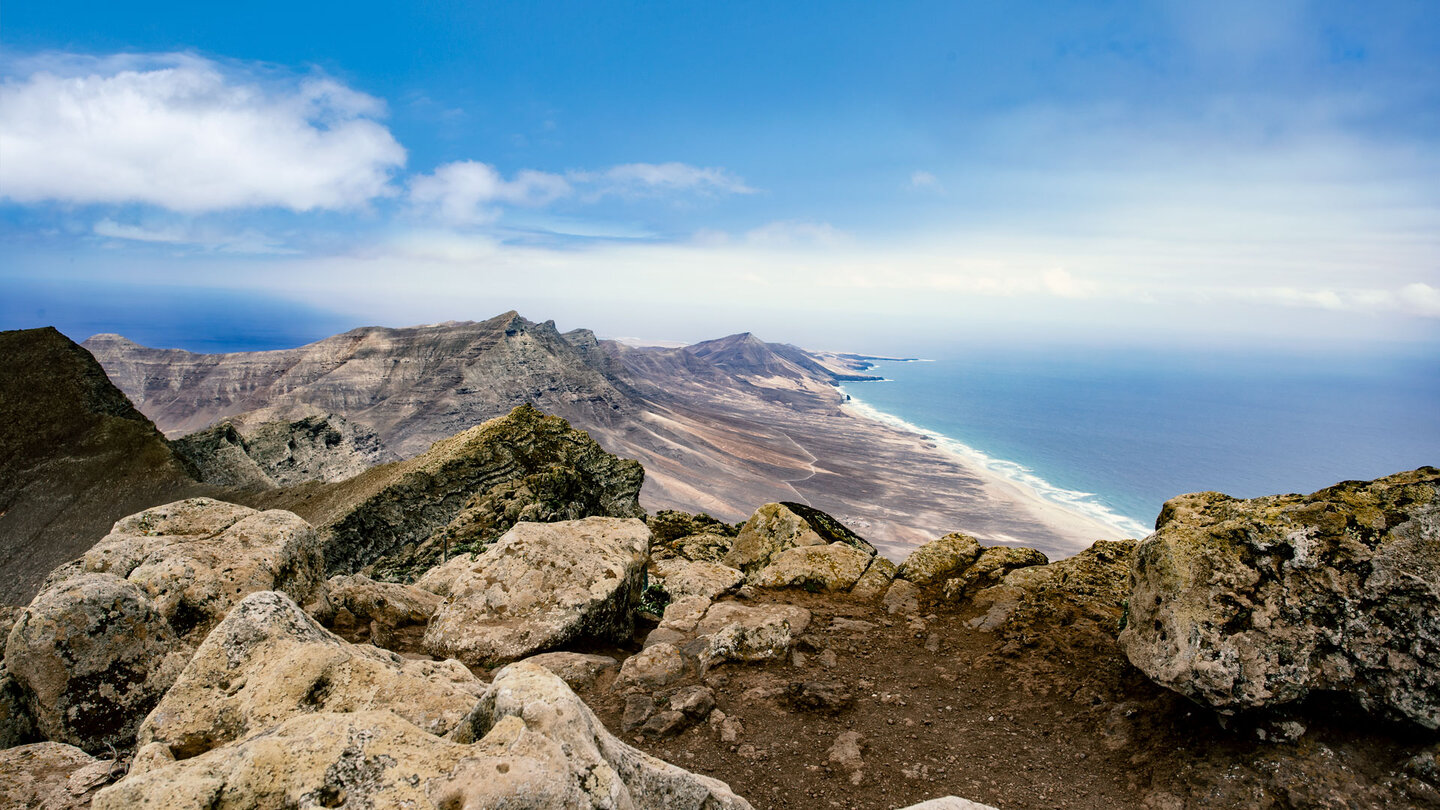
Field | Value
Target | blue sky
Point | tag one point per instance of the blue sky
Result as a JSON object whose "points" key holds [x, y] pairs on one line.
{"points": [[855, 175]]}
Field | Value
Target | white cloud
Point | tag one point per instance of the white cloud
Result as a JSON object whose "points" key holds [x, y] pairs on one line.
{"points": [[654, 179], [188, 134], [465, 192], [925, 181], [192, 235], [468, 192], [792, 232]]}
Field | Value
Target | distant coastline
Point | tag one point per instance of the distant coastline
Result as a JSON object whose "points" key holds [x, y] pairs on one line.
{"points": [[1064, 507]]}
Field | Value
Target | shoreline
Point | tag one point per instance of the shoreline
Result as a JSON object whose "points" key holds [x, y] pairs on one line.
{"points": [[1061, 509]]}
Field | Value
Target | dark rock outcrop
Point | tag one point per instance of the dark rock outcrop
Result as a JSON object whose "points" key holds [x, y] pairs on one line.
{"points": [[1245, 604], [75, 456], [324, 447], [464, 492]]}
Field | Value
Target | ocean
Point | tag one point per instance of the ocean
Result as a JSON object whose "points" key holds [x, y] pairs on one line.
{"points": [[1114, 434]]}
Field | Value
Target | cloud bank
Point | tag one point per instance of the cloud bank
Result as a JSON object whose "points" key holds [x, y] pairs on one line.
{"points": [[186, 133]]}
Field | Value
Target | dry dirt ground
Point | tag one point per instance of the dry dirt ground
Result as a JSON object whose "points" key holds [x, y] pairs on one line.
{"points": [[1027, 720]]}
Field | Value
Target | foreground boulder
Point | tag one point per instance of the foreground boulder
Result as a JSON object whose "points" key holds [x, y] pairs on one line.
{"points": [[386, 614], [197, 558], [1243, 604], [776, 527], [268, 661], [541, 586], [109, 632], [530, 743], [1086, 592], [939, 560], [91, 656], [52, 776]]}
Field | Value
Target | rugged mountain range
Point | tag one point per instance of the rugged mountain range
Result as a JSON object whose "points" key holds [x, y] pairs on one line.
{"points": [[719, 426]]}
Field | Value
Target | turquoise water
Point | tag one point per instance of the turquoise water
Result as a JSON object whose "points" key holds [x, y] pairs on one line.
{"points": [[1116, 434]]}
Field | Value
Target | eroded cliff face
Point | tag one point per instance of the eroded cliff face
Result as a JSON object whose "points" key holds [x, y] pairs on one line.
{"points": [[323, 447]]}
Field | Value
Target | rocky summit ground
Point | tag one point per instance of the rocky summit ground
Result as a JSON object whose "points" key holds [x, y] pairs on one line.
{"points": [[1059, 720]]}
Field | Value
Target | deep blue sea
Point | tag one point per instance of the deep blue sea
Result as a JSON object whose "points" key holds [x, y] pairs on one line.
{"points": [[1116, 433]]}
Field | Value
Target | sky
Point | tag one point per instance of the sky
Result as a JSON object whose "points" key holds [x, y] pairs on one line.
{"points": [[857, 176]]}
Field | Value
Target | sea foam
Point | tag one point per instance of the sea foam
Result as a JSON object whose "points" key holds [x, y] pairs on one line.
{"points": [[1084, 503]]}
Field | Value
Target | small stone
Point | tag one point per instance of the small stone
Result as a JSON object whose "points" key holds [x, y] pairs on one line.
{"points": [[666, 723], [827, 698], [638, 709], [730, 729], [693, 701], [827, 659]]}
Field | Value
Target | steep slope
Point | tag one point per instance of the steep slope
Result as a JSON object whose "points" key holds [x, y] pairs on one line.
{"points": [[75, 456]]}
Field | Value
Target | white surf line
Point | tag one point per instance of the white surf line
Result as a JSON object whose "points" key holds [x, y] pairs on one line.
{"points": [[1019, 474]]}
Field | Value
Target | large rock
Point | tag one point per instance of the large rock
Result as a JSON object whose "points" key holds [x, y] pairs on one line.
{"points": [[269, 661], [1257, 603], [686, 578], [386, 614], [531, 744], [776, 527], [738, 632], [939, 560], [539, 587], [836, 567], [990, 568], [52, 776], [92, 655], [197, 558], [318, 447], [1086, 592]]}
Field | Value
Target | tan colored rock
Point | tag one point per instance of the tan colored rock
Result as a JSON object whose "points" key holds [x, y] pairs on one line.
{"points": [[537, 746], [949, 803], [52, 776], [383, 609], [577, 670], [903, 597], [990, 568], [92, 656], [832, 568], [197, 558], [268, 661], [776, 527], [708, 579], [738, 632], [1245, 604], [540, 586], [684, 614], [653, 667], [876, 580], [1088, 589], [939, 560]]}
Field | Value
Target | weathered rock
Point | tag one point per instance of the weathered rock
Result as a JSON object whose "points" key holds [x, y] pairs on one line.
{"points": [[539, 587], [319, 447], [903, 596], [52, 776], [845, 753], [825, 697], [666, 723], [669, 526], [1089, 588], [1257, 603], [384, 610], [776, 527], [990, 568], [268, 661], [876, 580], [835, 567], [738, 632], [638, 708], [653, 667], [577, 670], [197, 558], [939, 560], [696, 702], [704, 547], [708, 579], [463, 493], [17, 727], [948, 803], [684, 614], [92, 655]]}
